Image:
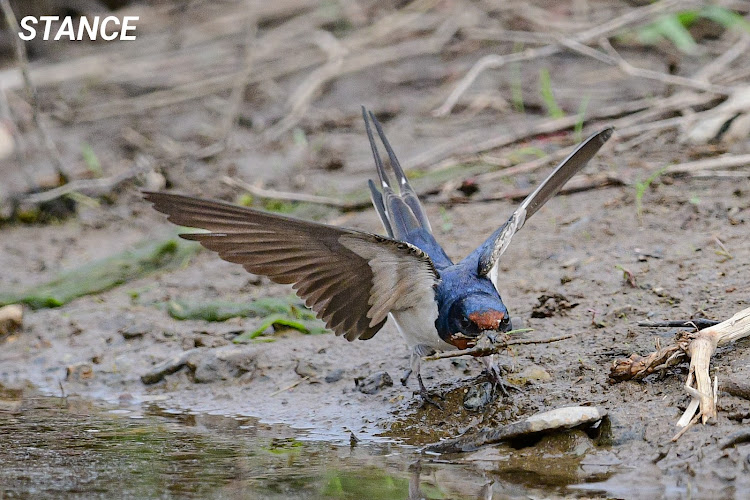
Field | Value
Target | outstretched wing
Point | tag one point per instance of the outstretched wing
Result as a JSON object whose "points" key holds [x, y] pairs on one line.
{"points": [[351, 279], [498, 242]]}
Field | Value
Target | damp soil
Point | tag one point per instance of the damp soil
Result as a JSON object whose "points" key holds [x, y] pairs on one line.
{"points": [[76, 416]]}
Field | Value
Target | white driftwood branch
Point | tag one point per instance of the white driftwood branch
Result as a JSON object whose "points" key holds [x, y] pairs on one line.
{"points": [[699, 384]]}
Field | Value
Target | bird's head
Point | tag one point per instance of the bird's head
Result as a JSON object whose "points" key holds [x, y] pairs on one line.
{"points": [[474, 314]]}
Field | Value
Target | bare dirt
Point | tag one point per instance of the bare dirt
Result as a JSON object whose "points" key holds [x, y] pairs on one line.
{"points": [[579, 247]]}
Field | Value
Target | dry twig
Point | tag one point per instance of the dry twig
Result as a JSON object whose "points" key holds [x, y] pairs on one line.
{"points": [[298, 197], [290, 386], [577, 185], [699, 347], [23, 64], [496, 61], [89, 187], [485, 347], [717, 163]]}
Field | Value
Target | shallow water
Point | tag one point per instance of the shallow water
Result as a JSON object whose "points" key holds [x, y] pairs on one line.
{"points": [[70, 447]]}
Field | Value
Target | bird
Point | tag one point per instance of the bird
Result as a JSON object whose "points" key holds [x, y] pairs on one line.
{"points": [[355, 280]]}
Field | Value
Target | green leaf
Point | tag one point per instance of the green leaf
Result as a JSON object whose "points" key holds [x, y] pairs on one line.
{"points": [[671, 28], [545, 88], [310, 327], [578, 130], [725, 17], [222, 310], [104, 274], [91, 160]]}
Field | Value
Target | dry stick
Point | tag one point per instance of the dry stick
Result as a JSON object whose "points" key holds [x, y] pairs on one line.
{"points": [[613, 58], [305, 93], [18, 146], [298, 197], [577, 185], [725, 161], [665, 105], [266, 47], [21, 55], [700, 347], [617, 60], [686, 428], [659, 125], [495, 61], [501, 35], [621, 147], [720, 64], [642, 131], [238, 90], [89, 187], [701, 350], [475, 141], [492, 61], [290, 386], [639, 367], [720, 174], [338, 65], [23, 64], [284, 65], [147, 56], [525, 167], [496, 348]]}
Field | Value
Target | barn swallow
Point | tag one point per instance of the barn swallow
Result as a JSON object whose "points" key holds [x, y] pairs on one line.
{"points": [[355, 280]]}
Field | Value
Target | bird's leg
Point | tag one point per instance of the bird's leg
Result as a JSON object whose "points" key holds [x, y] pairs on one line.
{"points": [[415, 366], [415, 362]]}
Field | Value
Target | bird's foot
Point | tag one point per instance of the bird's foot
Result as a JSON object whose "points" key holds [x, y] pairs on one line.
{"points": [[495, 376], [427, 397], [504, 385]]}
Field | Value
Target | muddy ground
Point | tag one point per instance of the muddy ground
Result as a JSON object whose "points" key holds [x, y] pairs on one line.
{"points": [[578, 246]]}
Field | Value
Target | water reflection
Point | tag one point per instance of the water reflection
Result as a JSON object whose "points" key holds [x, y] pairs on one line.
{"points": [[70, 447]]}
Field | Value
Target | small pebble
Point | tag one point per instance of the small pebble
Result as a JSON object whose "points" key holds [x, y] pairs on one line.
{"points": [[478, 396], [334, 376], [373, 383], [79, 372], [135, 331]]}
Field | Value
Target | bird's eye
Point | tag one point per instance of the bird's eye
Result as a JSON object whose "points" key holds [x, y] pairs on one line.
{"points": [[465, 323]]}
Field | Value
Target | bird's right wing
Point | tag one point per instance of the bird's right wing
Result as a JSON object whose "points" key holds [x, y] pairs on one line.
{"points": [[351, 279], [496, 244]]}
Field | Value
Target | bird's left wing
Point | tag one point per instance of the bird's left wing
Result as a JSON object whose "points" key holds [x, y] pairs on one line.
{"points": [[351, 279], [496, 244]]}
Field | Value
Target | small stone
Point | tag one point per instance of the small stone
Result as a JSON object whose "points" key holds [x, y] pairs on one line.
{"points": [[11, 318], [478, 396], [564, 418], [306, 369], [551, 305], [214, 365], [373, 383], [135, 331], [125, 398], [529, 375], [79, 372], [168, 366], [334, 376]]}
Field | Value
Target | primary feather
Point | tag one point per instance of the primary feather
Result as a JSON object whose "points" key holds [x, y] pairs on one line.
{"points": [[351, 279]]}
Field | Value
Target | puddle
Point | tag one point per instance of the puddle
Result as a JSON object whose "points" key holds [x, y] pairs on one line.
{"points": [[72, 447]]}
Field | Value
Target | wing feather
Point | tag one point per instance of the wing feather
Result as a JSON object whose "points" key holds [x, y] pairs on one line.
{"points": [[351, 279], [498, 242]]}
